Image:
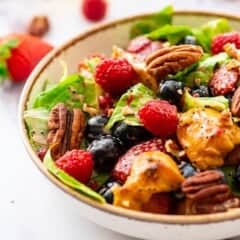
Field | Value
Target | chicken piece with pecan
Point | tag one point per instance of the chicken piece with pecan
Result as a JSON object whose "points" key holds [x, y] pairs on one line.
{"points": [[207, 136], [152, 173], [207, 192], [66, 129]]}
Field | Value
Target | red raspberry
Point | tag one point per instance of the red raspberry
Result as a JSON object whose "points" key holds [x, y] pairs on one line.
{"points": [[94, 10], [143, 46], [223, 81], [159, 117], [219, 41], [78, 164], [115, 76], [123, 167]]}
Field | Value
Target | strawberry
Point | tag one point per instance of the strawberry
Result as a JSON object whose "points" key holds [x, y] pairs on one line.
{"points": [[220, 40], [224, 81], [159, 117], [159, 203], [143, 46], [94, 10], [78, 164], [123, 167], [19, 54], [115, 76]]}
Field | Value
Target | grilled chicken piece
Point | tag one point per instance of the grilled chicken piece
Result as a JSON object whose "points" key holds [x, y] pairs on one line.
{"points": [[207, 136]]}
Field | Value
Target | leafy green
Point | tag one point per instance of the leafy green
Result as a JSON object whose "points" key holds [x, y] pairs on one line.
{"points": [[205, 33], [100, 178], [5, 53], [201, 73], [229, 173], [172, 33], [70, 181], [139, 94], [218, 103], [36, 121], [151, 23], [73, 91]]}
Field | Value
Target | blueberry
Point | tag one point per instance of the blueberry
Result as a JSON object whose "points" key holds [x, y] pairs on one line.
{"points": [[171, 91], [106, 191], [202, 91], [130, 135], [190, 40], [187, 169], [95, 127], [106, 151]]}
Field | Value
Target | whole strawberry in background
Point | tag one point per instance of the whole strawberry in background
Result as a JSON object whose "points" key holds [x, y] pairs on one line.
{"points": [[19, 54], [94, 10]]}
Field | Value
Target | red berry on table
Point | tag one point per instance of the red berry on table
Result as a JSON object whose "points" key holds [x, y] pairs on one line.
{"points": [[78, 164], [220, 40], [224, 81], [94, 10], [115, 76], [124, 164], [23, 56], [159, 117]]}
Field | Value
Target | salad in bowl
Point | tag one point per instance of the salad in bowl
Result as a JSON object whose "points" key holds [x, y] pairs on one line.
{"points": [[153, 127]]}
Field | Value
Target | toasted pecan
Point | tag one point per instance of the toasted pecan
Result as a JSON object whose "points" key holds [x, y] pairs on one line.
{"points": [[206, 186], [57, 124], [170, 60], [66, 128], [39, 26], [78, 126], [235, 106]]}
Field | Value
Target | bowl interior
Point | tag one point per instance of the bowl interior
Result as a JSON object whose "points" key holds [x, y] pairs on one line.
{"points": [[101, 40]]}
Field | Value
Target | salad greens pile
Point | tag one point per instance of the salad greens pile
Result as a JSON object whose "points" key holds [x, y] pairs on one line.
{"points": [[80, 90]]}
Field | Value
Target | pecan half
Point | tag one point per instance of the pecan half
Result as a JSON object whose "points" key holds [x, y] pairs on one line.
{"points": [[65, 129], [235, 106], [170, 60], [57, 127], [206, 186], [206, 192], [78, 126], [39, 26]]}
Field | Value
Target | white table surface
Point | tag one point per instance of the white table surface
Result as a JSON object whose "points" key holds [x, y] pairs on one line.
{"points": [[31, 208]]}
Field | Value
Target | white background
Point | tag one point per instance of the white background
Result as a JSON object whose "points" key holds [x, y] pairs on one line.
{"points": [[31, 208]]}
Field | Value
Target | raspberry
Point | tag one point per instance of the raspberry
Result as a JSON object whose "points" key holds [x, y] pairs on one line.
{"points": [[219, 41], [115, 76], [159, 117], [123, 167], [78, 164], [223, 81], [94, 10]]}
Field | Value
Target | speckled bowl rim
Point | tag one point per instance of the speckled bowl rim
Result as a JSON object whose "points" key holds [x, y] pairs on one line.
{"points": [[129, 214]]}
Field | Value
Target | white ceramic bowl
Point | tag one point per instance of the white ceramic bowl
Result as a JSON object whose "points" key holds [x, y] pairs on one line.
{"points": [[137, 224]]}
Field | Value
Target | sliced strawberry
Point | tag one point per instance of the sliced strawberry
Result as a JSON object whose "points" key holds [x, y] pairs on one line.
{"points": [[25, 55], [143, 46], [160, 203], [123, 167], [224, 81]]}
